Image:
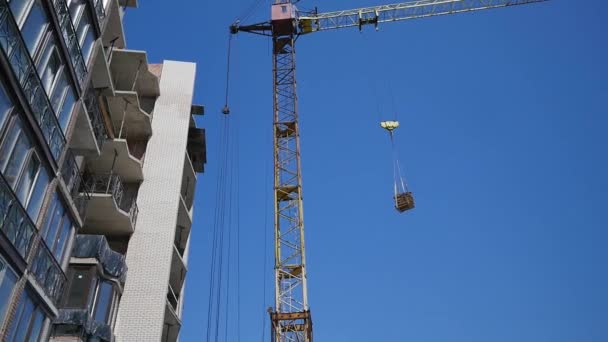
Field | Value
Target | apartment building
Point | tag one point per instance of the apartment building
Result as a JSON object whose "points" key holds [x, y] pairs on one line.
{"points": [[99, 156]]}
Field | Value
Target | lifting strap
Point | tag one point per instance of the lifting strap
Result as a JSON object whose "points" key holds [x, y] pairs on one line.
{"points": [[400, 186]]}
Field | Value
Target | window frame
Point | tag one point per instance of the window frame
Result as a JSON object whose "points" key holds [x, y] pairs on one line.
{"points": [[32, 152], [16, 325], [4, 268], [59, 224], [91, 290]]}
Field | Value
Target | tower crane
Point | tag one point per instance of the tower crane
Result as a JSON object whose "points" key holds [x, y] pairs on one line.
{"points": [[291, 319]]}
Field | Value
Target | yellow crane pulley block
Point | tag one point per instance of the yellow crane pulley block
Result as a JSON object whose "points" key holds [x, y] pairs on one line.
{"points": [[389, 125]]}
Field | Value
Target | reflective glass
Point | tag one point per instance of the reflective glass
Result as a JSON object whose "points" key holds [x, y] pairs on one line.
{"points": [[34, 26], [8, 279], [21, 324], [104, 302], [13, 153], [33, 207], [64, 233], [18, 8], [26, 180], [36, 327], [49, 69], [66, 110], [5, 106]]}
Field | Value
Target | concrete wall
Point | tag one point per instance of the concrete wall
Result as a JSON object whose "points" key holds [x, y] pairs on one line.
{"points": [[142, 309]]}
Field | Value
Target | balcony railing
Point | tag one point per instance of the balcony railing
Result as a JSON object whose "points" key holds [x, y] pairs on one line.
{"points": [[15, 223], [72, 176], [91, 102], [71, 39], [24, 69], [111, 184], [48, 273], [173, 299], [99, 10]]}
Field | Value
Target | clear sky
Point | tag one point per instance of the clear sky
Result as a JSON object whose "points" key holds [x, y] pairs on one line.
{"points": [[503, 138]]}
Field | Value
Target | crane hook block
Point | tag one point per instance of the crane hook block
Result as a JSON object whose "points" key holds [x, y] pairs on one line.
{"points": [[389, 125]]}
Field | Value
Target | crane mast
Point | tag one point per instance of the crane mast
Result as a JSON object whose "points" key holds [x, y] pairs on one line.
{"points": [[291, 319]]}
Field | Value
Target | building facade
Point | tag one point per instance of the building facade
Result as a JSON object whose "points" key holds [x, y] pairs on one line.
{"points": [[99, 155]]}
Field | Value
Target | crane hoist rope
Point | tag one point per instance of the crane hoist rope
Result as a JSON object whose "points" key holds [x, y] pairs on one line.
{"points": [[403, 197]]}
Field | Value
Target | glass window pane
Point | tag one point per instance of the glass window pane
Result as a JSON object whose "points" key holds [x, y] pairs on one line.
{"points": [[62, 238], [18, 7], [34, 26], [104, 301], [76, 7], [20, 326], [52, 221], [80, 288], [7, 283], [13, 153], [66, 110], [49, 68], [87, 45], [33, 207], [26, 180], [36, 326], [5, 106]]}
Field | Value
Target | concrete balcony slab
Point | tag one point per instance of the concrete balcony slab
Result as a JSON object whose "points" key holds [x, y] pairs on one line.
{"points": [[130, 72], [83, 139], [117, 157], [114, 34], [128, 117], [105, 217]]}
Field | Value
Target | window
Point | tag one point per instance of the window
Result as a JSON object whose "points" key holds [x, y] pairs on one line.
{"points": [[54, 75], [18, 8], [28, 321], [103, 304], [49, 67], [21, 167], [5, 107], [57, 228], [34, 26], [81, 284], [81, 18], [8, 278]]}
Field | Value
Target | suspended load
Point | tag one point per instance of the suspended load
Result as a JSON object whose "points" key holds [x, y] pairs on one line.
{"points": [[404, 200]]}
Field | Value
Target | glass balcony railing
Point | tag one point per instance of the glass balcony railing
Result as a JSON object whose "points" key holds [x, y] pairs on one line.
{"points": [[71, 39], [24, 69], [15, 223]]}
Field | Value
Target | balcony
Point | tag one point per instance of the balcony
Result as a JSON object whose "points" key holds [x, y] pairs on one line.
{"points": [[100, 68], [114, 33], [182, 234], [48, 273], [130, 72], [90, 132], [74, 324], [129, 118], [97, 247], [112, 209], [72, 177], [15, 224], [121, 157], [26, 75], [172, 323], [71, 39], [188, 183]]}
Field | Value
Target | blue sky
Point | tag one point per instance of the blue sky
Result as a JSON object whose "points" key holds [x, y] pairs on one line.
{"points": [[503, 140]]}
